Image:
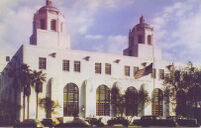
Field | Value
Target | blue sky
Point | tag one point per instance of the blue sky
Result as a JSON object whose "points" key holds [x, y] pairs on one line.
{"points": [[103, 25]]}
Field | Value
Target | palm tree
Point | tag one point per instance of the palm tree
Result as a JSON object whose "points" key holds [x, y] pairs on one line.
{"points": [[37, 82], [25, 79]]}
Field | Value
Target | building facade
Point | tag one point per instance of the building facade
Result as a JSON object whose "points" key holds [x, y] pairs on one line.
{"points": [[82, 81]]}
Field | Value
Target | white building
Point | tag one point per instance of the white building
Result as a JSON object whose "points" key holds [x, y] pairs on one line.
{"points": [[82, 81]]}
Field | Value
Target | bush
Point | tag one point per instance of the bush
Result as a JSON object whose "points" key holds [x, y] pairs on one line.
{"points": [[153, 121], [187, 122], [137, 122], [77, 122], [94, 121], [47, 122], [28, 123], [118, 120]]}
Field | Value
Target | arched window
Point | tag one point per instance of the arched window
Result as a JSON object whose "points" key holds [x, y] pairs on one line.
{"points": [[131, 101], [157, 102], [140, 40], [103, 101], [149, 39], [71, 100], [53, 25]]}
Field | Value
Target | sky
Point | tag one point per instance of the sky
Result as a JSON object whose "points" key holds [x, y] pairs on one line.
{"points": [[103, 25]]}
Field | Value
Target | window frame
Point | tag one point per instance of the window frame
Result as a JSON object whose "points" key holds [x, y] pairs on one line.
{"points": [[108, 69], [77, 66], [98, 68], [66, 65], [127, 70], [42, 63]]}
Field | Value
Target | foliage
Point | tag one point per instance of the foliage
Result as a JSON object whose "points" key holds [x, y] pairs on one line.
{"points": [[49, 105], [115, 98], [129, 101], [118, 120], [143, 98], [184, 87]]}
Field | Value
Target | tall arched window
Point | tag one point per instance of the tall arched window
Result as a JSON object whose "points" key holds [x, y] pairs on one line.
{"points": [[71, 100], [103, 101], [149, 39], [131, 101], [157, 102]]}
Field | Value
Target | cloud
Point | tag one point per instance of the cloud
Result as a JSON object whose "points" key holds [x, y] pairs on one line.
{"points": [[15, 24], [93, 36], [82, 13], [177, 30], [117, 44]]}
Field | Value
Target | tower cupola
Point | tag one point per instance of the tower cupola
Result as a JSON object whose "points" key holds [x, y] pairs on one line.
{"points": [[48, 2], [141, 40], [142, 20], [49, 28]]}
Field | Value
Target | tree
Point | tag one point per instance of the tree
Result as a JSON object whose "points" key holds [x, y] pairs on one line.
{"points": [[186, 80], [131, 97], [25, 79], [49, 106], [143, 98], [38, 78], [13, 72], [115, 95]]}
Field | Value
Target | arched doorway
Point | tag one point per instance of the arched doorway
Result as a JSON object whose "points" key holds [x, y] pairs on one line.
{"points": [[102, 101], [71, 100], [131, 96], [157, 102]]}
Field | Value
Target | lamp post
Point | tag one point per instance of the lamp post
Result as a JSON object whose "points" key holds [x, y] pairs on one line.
{"points": [[83, 110]]}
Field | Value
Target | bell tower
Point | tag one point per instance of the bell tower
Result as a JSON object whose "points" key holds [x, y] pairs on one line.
{"points": [[49, 28], [141, 41]]}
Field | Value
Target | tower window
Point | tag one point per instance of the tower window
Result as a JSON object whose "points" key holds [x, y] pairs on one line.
{"points": [[42, 24], [53, 25], [149, 40], [140, 39], [42, 63]]}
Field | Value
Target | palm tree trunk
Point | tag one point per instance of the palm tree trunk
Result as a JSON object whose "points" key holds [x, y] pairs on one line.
{"points": [[28, 107], [23, 106], [36, 105]]}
